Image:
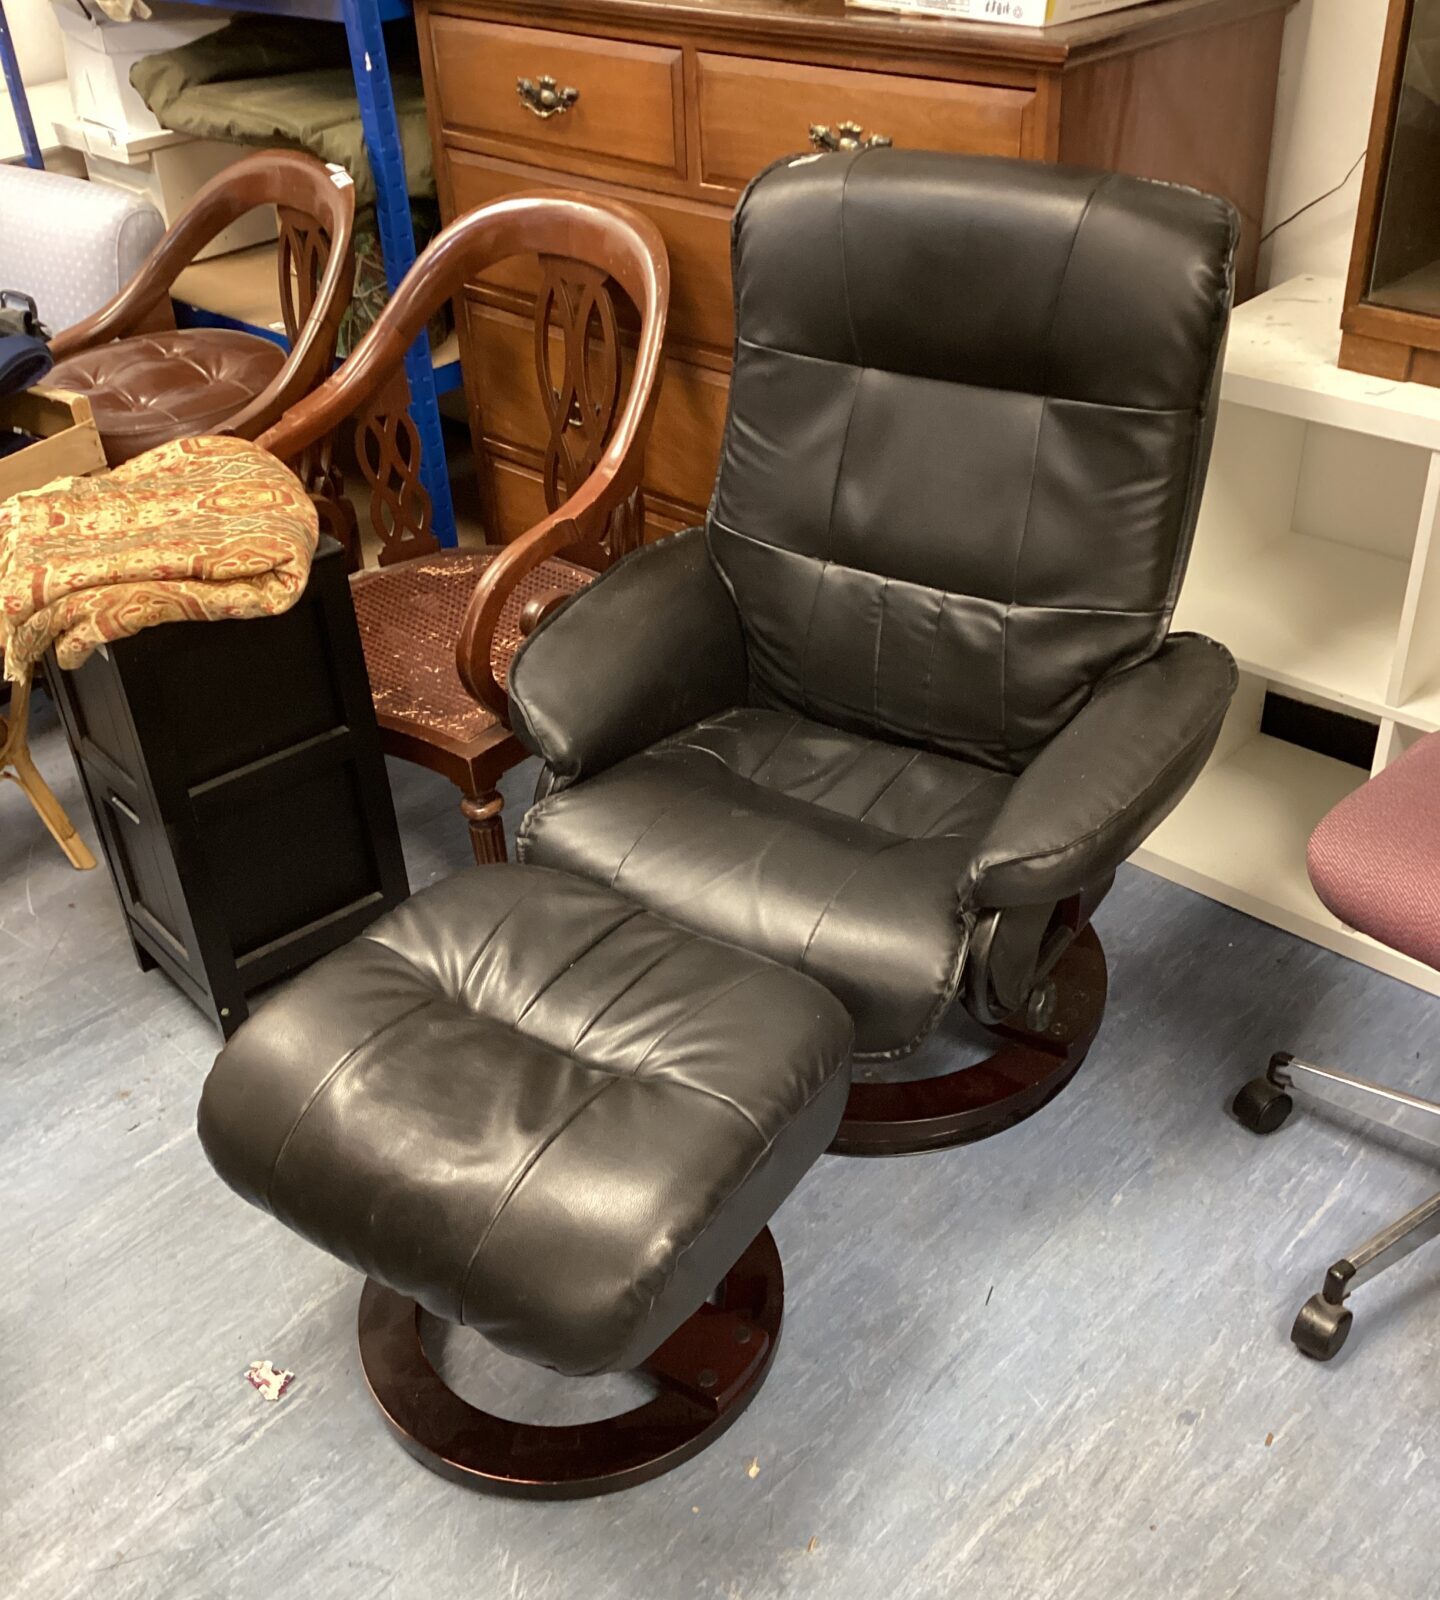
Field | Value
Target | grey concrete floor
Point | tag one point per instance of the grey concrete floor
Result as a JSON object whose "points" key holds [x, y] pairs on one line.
{"points": [[1054, 1364]]}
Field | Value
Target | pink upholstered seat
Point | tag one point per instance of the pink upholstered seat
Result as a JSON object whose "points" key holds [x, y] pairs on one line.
{"points": [[1375, 859]]}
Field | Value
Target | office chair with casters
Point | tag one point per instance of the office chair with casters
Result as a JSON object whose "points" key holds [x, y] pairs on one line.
{"points": [[896, 714], [1375, 862]]}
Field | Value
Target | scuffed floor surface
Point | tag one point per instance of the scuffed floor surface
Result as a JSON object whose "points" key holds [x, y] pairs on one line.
{"points": [[1054, 1366]]}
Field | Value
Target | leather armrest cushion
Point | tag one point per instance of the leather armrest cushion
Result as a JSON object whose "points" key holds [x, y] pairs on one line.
{"points": [[1107, 779], [651, 646]]}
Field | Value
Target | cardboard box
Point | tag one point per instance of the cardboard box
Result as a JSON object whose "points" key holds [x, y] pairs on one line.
{"points": [[1006, 13], [99, 54]]}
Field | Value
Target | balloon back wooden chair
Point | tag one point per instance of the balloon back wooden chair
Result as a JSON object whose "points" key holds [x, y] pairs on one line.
{"points": [[439, 627], [149, 381]]}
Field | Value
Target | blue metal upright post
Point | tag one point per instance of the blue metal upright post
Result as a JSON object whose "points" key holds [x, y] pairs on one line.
{"points": [[397, 239], [10, 65]]}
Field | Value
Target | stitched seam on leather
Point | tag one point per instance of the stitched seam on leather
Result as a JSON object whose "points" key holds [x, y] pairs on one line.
{"points": [[690, 1016], [978, 780], [1055, 851], [571, 963], [519, 1178], [766, 1147], [620, 993], [930, 588], [712, 1094], [889, 784], [769, 755], [1020, 550], [343, 1065], [944, 1000], [845, 264], [957, 383], [489, 940], [879, 641], [840, 888], [835, 780], [927, 695], [654, 822], [809, 625]]}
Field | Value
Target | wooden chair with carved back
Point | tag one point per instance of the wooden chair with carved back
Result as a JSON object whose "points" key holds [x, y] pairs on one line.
{"points": [[148, 381], [440, 627]]}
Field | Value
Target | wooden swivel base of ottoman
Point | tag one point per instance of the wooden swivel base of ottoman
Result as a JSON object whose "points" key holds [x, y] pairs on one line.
{"points": [[708, 1371], [1028, 1069]]}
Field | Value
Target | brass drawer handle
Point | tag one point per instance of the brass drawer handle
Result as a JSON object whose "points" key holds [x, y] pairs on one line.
{"points": [[546, 98], [846, 136]]}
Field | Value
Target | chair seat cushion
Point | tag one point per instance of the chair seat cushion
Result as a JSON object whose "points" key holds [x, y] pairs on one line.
{"points": [[1375, 858], [533, 1107], [410, 616], [836, 854], [155, 387]]}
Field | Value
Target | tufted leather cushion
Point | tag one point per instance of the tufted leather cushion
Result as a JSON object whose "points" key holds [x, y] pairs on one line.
{"points": [[962, 467], [535, 1108], [838, 855], [155, 387], [1375, 858]]}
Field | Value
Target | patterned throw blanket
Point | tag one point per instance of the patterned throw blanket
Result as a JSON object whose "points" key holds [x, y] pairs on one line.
{"points": [[196, 530]]}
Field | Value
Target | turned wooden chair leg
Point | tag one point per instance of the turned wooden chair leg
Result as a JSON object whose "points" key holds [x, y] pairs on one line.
{"points": [[487, 829]]}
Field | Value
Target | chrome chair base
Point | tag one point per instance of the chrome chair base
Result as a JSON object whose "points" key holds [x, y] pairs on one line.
{"points": [[1265, 1104]]}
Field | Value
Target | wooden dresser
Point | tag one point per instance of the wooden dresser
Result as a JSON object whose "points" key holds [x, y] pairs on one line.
{"points": [[674, 105]]}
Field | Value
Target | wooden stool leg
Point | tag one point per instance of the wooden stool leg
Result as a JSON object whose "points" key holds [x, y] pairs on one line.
{"points": [[25, 773], [17, 765], [487, 830]]}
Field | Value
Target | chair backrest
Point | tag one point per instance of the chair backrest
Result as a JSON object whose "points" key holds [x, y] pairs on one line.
{"points": [[596, 432], [970, 419], [315, 208]]}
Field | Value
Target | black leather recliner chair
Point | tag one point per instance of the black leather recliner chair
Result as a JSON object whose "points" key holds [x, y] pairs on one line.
{"points": [[898, 711]]}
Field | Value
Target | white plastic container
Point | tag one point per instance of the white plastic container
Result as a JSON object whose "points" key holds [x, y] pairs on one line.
{"points": [[99, 54], [169, 177]]}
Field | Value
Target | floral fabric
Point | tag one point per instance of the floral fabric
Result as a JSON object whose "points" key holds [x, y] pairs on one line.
{"points": [[197, 530]]}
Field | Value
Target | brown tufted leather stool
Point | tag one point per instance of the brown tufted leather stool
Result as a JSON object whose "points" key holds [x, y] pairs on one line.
{"points": [[155, 387], [149, 382]]}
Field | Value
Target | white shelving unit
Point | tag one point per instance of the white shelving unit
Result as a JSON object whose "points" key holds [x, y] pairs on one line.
{"points": [[1317, 561]]}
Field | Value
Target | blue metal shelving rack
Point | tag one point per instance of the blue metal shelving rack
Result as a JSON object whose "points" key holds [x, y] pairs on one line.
{"points": [[363, 21], [19, 104]]}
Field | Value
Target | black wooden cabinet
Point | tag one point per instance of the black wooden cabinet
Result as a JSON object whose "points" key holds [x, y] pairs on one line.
{"points": [[236, 779]]}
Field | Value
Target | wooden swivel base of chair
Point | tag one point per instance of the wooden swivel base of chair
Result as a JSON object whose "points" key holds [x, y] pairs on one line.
{"points": [[708, 1371], [1027, 1069]]}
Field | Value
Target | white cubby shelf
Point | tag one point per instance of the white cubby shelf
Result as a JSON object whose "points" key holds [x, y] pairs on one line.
{"points": [[1317, 562]]}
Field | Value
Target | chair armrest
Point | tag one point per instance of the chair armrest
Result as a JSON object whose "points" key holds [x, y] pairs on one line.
{"points": [[650, 647], [1106, 780]]}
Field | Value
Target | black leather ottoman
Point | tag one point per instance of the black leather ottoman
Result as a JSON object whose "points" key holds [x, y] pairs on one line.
{"points": [[525, 1104]]}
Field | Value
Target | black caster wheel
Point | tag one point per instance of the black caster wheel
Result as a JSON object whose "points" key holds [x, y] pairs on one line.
{"points": [[1321, 1328], [1261, 1107]]}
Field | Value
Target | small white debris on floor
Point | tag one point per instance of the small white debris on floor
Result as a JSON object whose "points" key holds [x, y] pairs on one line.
{"points": [[753, 1470], [272, 1382]]}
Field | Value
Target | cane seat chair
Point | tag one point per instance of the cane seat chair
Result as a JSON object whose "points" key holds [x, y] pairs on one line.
{"points": [[439, 627]]}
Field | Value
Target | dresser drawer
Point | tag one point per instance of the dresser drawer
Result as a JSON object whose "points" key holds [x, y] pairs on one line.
{"points": [[697, 239], [753, 111], [500, 349], [626, 110], [520, 504]]}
